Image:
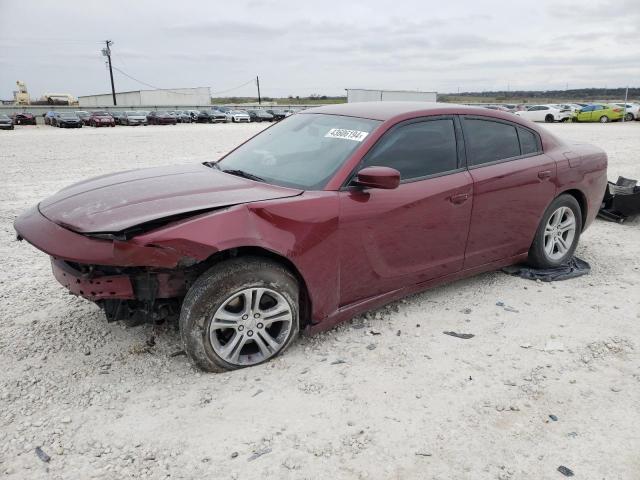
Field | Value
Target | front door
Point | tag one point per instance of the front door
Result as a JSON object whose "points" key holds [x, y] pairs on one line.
{"points": [[395, 238]]}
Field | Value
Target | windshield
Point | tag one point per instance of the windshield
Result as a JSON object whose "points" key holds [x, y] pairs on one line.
{"points": [[101, 114], [303, 151], [68, 115]]}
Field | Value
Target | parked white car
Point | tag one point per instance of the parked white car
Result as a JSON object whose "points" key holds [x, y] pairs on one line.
{"points": [[238, 116], [546, 113], [632, 111]]}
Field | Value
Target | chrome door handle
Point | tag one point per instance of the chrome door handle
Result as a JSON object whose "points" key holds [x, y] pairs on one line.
{"points": [[459, 198]]}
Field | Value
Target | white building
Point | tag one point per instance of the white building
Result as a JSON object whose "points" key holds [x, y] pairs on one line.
{"points": [[166, 97], [366, 95]]}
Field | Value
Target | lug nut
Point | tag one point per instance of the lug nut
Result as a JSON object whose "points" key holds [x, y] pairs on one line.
{"points": [[249, 333], [257, 315], [260, 325], [240, 327], [244, 317]]}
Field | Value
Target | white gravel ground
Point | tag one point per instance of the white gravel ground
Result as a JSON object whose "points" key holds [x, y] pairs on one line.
{"points": [[386, 396]]}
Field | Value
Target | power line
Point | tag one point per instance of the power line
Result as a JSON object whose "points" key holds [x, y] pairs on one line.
{"points": [[149, 85], [253, 80]]}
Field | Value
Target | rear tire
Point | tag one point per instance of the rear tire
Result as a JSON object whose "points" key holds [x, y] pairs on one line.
{"points": [[240, 313], [628, 117], [558, 234], [604, 119]]}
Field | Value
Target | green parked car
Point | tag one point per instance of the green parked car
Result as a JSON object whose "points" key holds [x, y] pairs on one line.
{"points": [[599, 112]]}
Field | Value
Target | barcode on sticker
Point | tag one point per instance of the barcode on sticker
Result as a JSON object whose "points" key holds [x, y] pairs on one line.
{"points": [[347, 134]]}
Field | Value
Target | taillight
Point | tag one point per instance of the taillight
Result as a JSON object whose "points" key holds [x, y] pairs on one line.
{"points": [[617, 109]]}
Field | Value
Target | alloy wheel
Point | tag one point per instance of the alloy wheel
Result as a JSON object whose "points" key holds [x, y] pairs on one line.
{"points": [[559, 233], [250, 326]]}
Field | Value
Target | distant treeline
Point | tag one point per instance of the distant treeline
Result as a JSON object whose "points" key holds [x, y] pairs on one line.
{"points": [[577, 94]]}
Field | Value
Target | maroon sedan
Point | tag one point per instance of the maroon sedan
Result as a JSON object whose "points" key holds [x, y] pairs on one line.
{"points": [[24, 118], [101, 119], [333, 211]]}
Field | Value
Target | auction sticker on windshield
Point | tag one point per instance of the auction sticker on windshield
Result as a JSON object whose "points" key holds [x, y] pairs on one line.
{"points": [[346, 134]]}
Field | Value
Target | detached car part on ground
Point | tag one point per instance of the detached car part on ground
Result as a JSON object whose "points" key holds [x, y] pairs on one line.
{"points": [[329, 213], [621, 200]]}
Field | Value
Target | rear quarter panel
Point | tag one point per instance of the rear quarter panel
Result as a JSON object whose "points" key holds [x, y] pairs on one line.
{"points": [[583, 167]]}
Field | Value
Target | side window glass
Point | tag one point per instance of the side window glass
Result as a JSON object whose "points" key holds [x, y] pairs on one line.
{"points": [[417, 149], [528, 141], [489, 141]]}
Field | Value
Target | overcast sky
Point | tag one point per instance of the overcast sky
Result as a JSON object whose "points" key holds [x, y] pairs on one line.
{"points": [[303, 47]]}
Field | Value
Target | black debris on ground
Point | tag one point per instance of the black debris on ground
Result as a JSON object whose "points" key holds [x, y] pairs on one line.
{"points": [[258, 454], [42, 455], [575, 267], [567, 472], [464, 336]]}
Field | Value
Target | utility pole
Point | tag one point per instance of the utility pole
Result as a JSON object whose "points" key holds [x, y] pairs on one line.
{"points": [[258, 84], [107, 53]]}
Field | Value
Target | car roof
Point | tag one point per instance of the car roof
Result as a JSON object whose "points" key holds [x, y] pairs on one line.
{"points": [[388, 110]]}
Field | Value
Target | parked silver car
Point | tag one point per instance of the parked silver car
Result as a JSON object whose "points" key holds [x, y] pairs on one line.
{"points": [[135, 118]]}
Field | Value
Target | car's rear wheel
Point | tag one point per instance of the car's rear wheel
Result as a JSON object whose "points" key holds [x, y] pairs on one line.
{"points": [[558, 233], [240, 313], [604, 119], [628, 117]]}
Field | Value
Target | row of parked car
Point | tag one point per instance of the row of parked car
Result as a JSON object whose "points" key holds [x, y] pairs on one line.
{"points": [[574, 112], [160, 117]]}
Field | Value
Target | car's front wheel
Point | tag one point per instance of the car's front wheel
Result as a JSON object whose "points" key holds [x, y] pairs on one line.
{"points": [[240, 313], [558, 233], [628, 117], [604, 119], [549, 118]]}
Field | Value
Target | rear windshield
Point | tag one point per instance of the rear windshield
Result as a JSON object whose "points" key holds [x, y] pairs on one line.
{"points": [[303, 151]]}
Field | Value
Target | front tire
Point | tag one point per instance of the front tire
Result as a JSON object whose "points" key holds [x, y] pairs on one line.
{"points": [[549, 119], [241, 312], [604, 119], [558, 233], [628, 117]]}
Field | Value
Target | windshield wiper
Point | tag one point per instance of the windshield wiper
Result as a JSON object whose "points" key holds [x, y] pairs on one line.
{"points": [[238, 173], [242, 173]]}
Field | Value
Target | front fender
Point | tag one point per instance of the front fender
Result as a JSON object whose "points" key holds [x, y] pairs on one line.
{"points": [[302, 229]]}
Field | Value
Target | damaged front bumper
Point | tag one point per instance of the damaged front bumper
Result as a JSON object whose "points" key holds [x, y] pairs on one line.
{"points": [[129, 281]]}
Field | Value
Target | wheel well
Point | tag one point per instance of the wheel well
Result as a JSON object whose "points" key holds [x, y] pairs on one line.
{"points": [[582, 201], [305, 299]]}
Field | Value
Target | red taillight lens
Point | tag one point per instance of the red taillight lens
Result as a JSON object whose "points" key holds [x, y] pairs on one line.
{"points": [[617, 109]]}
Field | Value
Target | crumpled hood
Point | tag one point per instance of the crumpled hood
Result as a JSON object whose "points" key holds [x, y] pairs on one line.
{"points": [[115, 202]]}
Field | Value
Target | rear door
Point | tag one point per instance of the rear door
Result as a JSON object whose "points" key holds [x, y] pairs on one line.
{"points": [[395, 238], [513, 182]]}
